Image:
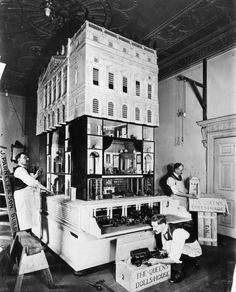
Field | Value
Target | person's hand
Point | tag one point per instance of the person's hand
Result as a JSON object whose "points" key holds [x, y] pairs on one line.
{"points": [[153, 261], [49, 192], [163, 252], [193, 196]]}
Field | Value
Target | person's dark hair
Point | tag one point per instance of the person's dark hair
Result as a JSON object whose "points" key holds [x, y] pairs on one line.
{"points": [[159, 218], [177, 165], [19, 155]]}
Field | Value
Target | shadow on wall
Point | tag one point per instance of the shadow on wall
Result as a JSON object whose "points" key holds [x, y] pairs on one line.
{"points": [[168, 169]]}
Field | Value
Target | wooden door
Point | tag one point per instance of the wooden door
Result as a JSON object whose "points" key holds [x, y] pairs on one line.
{"points": [[225, 181]]}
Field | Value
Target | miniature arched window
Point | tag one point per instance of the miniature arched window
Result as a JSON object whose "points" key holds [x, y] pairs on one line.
{"points": [[137, 114], [44, 123], [149, 116], [53, 119], [93, 160], [110, 109], [58, 116], [95, 106], [46, 95], [49, 122], [124, 111], [63, 113], [147, 163]]}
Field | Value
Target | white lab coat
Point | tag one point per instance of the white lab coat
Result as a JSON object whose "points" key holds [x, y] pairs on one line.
{"points": [[176, 186], [27, 200]]}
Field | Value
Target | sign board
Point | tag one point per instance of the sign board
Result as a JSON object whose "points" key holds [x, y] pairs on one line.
{"points": [[194, 186], [217, 205], [8, 193]]}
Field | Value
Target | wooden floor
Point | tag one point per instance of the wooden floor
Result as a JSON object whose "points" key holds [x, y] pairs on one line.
{"points": [[215, 273]]}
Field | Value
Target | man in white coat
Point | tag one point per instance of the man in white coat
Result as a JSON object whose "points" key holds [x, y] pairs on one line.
{"points": [[25, 188]]}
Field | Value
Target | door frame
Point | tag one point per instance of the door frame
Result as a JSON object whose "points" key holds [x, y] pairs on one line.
{"points": [[222, 127], [212, 129]]}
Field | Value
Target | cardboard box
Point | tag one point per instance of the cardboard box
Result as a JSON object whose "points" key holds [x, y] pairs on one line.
{"points": [[135, 278]]}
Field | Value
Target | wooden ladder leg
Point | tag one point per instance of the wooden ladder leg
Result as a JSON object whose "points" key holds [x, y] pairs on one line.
{"points": [[48, 278], [18, 283]]}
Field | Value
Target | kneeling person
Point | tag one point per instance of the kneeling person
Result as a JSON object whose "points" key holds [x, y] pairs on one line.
{"points": [[180, 243]]}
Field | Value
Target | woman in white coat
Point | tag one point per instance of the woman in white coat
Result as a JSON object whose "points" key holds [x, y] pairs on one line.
{"points": [[25, 186]]}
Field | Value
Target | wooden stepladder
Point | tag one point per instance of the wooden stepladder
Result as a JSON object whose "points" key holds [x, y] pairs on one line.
{"points": [[26, 250]]}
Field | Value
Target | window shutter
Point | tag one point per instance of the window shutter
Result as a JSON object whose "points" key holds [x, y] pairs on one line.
{"points": [[110, 109], [111, 80], [137, 114], [137, 88], [95, 76], [124, 111], [149, 91], [125, 84], [149, 116], [95, 106]]}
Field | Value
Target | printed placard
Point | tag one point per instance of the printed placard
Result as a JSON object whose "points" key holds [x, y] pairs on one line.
{"points": [[208, 205]]}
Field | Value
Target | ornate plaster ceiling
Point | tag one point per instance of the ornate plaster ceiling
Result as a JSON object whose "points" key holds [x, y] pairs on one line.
{"points": [[182, 31]]}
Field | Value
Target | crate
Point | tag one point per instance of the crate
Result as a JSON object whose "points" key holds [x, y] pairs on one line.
{"points": [[207, 206], [135, 278], [207, 228]]}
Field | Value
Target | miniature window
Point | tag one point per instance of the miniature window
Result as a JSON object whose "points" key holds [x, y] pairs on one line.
{"points": [[58, 115], [149, 116], [54, 89], [63, 113], [137, 88], [59, 85], [53, 119], [149, 91], [110, 44], [137, 114], [95, 76], [110, 109], [125, 84], [65, 79], [137, 55], [44, 123], [95, 38], [50, 91], [149, 59], [111, 80], [124, 50], [49, 122], [46, 95], [124, 111], [95, 106]]}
